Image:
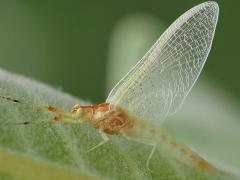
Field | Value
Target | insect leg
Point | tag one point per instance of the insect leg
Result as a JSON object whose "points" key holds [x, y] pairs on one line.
{"points": [[150, 156], [137, 138], [105, 139]]}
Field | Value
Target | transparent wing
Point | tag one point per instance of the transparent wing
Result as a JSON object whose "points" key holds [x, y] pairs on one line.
{"points": [[160, 81]]}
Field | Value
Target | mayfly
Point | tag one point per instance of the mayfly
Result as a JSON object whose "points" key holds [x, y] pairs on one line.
{"points": [[154, 88]]}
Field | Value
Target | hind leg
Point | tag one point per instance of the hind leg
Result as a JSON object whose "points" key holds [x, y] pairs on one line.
{"points": [[105, 140]]}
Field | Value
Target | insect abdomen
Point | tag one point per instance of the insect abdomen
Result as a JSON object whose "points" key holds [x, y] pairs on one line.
{"points": [[149, 134], [184, 153]]}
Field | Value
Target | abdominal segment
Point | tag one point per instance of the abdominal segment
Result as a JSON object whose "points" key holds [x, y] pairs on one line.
{"points": [[148, 134]]}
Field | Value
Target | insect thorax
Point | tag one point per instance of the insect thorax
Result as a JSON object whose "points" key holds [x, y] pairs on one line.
{"points": [[112, 120]]}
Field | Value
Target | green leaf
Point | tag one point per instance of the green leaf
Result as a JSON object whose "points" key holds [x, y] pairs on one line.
{"points": [[50, 149]]}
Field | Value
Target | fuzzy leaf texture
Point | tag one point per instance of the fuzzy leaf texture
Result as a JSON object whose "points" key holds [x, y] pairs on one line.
{"points": [[55, 150]]}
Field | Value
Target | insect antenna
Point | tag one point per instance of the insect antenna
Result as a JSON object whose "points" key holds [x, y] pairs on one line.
{"points": [[62, 114], [26, 122], [39, 106], [10, 99], [52, 119]]}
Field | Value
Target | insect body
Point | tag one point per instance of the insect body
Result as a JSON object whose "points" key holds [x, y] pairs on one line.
{"points": [[116, 120], [154, 88]]}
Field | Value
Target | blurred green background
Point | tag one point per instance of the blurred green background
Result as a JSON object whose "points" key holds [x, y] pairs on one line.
{"points": [[85, 47], [66, 43]]}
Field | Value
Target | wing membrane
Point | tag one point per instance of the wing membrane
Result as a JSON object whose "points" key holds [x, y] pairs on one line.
{"points": [[160, 81]]}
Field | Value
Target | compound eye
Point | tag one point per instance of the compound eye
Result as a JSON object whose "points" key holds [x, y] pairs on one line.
{"points": [[76, 108]]}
